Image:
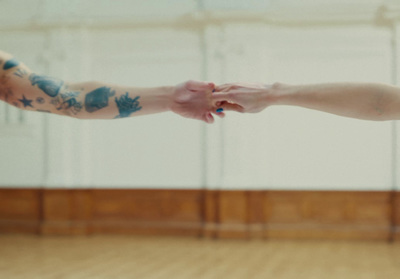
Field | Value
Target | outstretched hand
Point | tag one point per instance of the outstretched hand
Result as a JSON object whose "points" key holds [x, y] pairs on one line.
{"points": [[193, 99], [242, 97]]}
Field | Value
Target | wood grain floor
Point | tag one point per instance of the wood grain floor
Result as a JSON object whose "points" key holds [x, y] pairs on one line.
{"points": [[167, 257]]}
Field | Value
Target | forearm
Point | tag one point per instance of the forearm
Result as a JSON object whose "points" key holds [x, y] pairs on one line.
{"points": [[88, 100], [357, 100], [96, 100]]}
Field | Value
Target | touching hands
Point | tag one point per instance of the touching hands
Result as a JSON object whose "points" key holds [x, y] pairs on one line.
{"points": [[200, 100], [193, 99], [243, 97]]}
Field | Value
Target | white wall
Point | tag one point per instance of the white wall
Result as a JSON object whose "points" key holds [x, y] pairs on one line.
{"points": [[150, 43]]}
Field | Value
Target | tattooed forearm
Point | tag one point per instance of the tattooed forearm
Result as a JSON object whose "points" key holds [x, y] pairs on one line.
{"points": [[26, 90], [98, 99], [10, 64], [50, 86], [127, 105]]}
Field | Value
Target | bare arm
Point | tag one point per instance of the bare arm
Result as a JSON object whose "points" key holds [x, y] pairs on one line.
{"points": [[370, 101], [21, 87]]}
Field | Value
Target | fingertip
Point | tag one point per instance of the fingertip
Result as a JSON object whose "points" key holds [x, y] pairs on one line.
{"points": [[221, 115], [210, 118], [211, 86]]}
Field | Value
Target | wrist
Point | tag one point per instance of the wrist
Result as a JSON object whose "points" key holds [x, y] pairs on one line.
{"points": [[167, 97], [280, 94]]}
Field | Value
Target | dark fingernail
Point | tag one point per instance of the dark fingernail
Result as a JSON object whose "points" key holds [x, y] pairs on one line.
{"points": [[220, 110], [213, 90]]}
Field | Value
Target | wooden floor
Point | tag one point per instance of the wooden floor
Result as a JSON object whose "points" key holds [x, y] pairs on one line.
{"points": [[166, 257]]}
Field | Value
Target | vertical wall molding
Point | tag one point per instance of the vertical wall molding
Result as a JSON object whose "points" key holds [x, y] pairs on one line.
{"points": [[396, 136], [214, 38], [56, 127], [86, 150], [395, 81], [67, 143]]}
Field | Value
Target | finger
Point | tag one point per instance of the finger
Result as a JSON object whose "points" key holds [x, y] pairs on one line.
{"points": [[228, 87], [200, 85], [218, 112], [221, 114], [222, 87], [208, 118], [219, 96], [232, 107]]}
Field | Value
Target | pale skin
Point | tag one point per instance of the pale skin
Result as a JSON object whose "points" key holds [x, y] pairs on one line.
{"points": [[21, 87], [368, 101]]}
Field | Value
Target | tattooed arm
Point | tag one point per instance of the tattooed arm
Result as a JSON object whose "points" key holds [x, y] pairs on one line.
{"points": [[20, 87]]}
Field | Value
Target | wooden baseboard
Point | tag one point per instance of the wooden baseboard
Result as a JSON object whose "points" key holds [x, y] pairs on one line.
{"points": [[395, 234], [215, 214]]}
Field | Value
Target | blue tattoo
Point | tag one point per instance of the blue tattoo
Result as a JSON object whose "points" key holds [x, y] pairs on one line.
{"points": [[26, 102], [98, 99], [127, 106], [70, 102], [10, 64], [50, 86], [39, 100], [20, 73]]}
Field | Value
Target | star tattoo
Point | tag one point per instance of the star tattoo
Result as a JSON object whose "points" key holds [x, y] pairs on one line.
{"points": [[26, 102]]}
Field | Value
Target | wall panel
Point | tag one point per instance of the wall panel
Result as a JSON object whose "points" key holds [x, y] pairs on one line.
{"points": [[166, 42], [20, 210]]}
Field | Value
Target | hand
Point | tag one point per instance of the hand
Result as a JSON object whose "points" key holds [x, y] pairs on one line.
{"points": [[192, 99], [242, 97]]}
